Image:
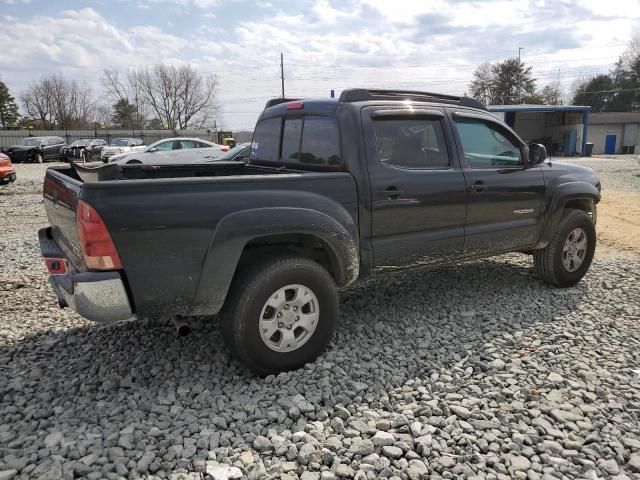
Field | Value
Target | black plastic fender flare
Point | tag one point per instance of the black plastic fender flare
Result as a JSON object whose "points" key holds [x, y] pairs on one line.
{"points": [[237, 229]]}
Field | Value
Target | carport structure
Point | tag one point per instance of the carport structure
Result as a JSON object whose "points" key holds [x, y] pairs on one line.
{"points": [[560, 128]]}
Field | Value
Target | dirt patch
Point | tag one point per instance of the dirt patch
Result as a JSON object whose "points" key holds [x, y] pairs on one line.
{"points": [[619, 220]]}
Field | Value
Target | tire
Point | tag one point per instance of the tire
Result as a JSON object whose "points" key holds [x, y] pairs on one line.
{"points": [[550, 263], [39, 158], [285, 282]]}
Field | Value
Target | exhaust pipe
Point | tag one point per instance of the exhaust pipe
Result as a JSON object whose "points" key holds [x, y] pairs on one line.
{"points": [[182, 327]]}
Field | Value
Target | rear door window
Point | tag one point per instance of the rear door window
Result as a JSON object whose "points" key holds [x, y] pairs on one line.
{"points": [[320, 141], [411, 143], [266, 140], [291, 134]]}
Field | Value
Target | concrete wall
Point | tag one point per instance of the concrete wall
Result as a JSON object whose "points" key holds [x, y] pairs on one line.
{"points": [[614, 117], [624, 125], [530, 125], [598, 133]]}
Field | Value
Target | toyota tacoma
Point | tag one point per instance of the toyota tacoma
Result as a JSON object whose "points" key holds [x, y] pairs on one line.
{"points": [[334, 190]]}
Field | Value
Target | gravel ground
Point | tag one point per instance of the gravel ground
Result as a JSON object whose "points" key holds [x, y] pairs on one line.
{"points": [[475, 371], [620, 172]]}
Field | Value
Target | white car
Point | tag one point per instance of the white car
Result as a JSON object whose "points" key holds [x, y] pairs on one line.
{"points": [[121, 145], [172, 151]]}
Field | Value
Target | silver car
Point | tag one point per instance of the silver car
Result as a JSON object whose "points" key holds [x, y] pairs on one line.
{"points": [[171, 151]]}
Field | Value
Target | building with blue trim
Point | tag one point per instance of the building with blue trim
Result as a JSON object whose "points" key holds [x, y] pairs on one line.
{"points": [[563, 129], [615, 132]]}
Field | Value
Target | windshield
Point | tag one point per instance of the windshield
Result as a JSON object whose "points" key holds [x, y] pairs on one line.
{"points": [[119, 142], [235, 151], [32, 142], [82, 141]]}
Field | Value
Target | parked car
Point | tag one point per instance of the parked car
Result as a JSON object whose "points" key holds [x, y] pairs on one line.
{"points": [[36, 149], [238, 153], [121, 145], [334, 190], [84, 149], [173, 150], [7, 170]]}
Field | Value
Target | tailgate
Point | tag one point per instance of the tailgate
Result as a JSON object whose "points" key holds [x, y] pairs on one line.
{"points": [[61, 193]]}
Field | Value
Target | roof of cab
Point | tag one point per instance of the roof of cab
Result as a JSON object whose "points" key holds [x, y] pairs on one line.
{"points": [[328, 105]]}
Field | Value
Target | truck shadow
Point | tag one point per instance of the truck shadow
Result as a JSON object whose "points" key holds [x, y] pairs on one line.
{"points": [[394, 329]]}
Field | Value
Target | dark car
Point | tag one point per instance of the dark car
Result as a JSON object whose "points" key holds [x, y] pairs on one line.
{"points": [[334, 190], [84, 149], [36, 150]]}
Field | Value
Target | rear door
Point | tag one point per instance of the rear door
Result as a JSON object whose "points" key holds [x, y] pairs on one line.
{"points": [[505, 195], [418, 208], [48, 147]]}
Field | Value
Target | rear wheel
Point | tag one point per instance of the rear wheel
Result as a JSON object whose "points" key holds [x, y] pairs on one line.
{"points": [[280, 314], [568, 256], [134, 162]]}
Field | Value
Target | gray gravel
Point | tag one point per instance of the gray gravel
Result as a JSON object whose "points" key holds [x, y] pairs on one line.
{"points": [[620, 172], [476, 371]]}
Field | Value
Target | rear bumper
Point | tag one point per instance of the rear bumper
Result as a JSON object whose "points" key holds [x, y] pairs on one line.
{"points": [[97, 296]]}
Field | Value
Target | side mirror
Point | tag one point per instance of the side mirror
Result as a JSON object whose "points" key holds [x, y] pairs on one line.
{"points": [[154, 149], [537, 153]]}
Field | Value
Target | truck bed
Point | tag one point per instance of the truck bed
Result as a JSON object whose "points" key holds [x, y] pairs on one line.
{"points": [[165, 221]]}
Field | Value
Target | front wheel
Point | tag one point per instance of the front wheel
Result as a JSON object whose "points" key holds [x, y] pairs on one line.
{"points": [[280, 314], [134, 162], [568, 256]]}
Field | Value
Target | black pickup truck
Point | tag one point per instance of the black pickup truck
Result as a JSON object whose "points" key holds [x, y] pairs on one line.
{"points": [[334, 190]]}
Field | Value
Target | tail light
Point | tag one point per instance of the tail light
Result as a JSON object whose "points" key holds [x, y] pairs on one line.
{"points": [[97, 246], [225, 149], [5, 162]]}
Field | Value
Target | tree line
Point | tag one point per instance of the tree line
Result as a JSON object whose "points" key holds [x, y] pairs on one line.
{"points": [[154, 97], [511, 81]]}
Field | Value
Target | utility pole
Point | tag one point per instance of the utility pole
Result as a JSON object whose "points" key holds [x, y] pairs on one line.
{"points": [[519, 50], [282, 72]]}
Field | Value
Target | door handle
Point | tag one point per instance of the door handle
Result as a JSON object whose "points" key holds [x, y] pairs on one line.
{"points": [[477, 187], [392, 192]]}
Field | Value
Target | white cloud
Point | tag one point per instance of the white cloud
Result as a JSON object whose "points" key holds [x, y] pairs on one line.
{"points": [[415, 44]]}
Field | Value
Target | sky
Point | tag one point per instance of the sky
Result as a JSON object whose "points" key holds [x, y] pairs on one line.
{"points": [[432, 45]]}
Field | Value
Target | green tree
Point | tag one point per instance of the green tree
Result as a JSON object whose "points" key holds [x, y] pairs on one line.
{"points": [[626, 83], [509, 81], [155, 124], [8, 107], [513, 81], [596, 92], [124, 114], [551, 94]]}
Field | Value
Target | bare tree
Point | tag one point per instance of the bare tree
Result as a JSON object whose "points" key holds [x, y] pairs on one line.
{"points": [[37, 102], [178, 96], [57, 102], [483, 84]]}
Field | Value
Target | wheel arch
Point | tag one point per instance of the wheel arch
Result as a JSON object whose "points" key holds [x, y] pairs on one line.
{"points": [[576, 195], [244, 236]]}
